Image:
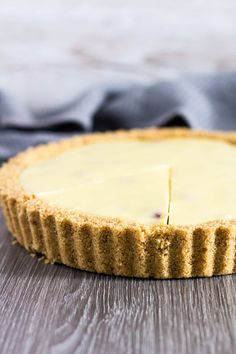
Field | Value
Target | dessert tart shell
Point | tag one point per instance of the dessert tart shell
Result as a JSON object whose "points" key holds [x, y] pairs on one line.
{"points": [[112, 245]]}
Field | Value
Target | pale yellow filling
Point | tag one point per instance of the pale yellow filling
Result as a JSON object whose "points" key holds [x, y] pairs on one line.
{"points": [[131, 180]]}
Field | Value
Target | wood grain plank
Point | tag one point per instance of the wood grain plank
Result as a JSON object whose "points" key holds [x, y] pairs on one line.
{"points": [[55, 309]]}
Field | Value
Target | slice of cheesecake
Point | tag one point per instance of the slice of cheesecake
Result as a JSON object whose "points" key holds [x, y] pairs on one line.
{"points": [[105, 179], [142, 197]]}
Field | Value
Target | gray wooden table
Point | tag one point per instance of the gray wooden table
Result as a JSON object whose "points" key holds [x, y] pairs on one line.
{"points": [[55, 309]]}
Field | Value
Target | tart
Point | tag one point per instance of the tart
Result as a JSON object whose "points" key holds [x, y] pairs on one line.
{"points": [[146, 203]]}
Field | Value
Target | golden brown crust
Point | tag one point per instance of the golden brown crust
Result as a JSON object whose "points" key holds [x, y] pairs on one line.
{"points": [[109, 245]]}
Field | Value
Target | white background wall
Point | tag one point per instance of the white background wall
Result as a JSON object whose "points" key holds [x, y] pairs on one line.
{"points": [[51, 50]]}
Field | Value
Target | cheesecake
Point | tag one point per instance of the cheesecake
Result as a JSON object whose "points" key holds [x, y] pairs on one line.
{"points": [[145, 203]]}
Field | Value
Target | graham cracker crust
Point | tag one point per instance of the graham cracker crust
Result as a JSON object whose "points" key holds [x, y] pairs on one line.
{"points": [[110, 245]]}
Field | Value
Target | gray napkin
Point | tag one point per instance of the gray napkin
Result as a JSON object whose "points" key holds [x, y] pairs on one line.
{"points": [[198, 102]]}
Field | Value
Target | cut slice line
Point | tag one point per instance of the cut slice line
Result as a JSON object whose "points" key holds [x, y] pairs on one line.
{"points": [[170, 176]]}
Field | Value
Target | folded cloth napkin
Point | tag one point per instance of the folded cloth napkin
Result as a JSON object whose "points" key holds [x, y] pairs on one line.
{"points": [[198, 102]]}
